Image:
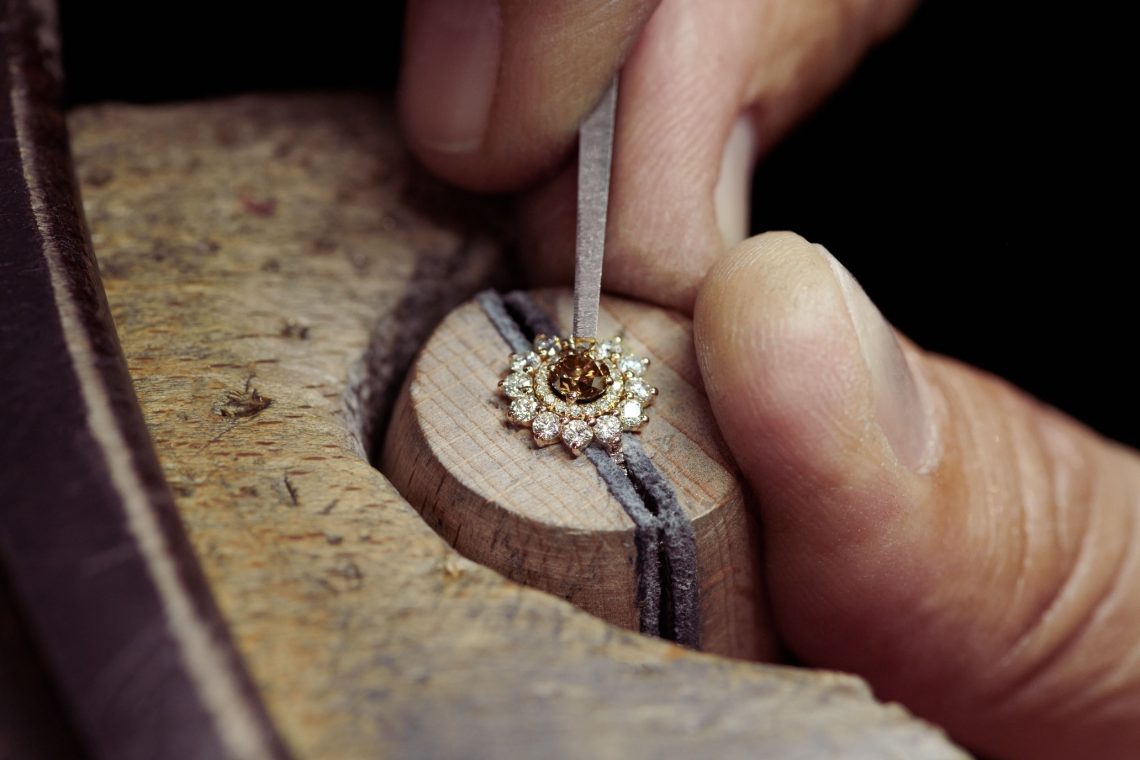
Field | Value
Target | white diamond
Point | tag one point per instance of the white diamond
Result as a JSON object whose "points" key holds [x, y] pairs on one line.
{"points": [[523, 362], [577, 434], [522, 409], [517, 385], [546, 427], [632, 365], [544, 343], [607, 428], [640, 391], [630, 414], [607, 347]]}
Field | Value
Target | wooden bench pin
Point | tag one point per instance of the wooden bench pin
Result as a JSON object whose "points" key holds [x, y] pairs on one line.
{"points": [[548, 519]]}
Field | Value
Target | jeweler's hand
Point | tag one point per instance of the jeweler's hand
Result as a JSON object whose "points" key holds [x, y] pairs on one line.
{"points": [[972, 553], [492, 93]]}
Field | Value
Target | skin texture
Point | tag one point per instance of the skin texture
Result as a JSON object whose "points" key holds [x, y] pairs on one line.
{"points": [[969, 551], [693, 72], [980, 567]]}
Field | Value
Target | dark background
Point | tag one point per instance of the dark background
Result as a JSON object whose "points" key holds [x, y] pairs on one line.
{"points": [[977, 173]]}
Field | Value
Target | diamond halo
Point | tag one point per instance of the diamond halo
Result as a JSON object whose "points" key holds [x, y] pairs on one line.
{"points": [[579, 391]]}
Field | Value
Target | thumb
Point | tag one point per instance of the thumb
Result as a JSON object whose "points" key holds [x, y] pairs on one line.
{"points": [[969, 551], [492, 91]]}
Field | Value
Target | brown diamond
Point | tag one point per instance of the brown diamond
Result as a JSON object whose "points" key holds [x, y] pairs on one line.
{"points": [[577, 377]]}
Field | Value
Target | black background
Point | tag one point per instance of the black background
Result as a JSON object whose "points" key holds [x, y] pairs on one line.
{"points": [[977, 173]]}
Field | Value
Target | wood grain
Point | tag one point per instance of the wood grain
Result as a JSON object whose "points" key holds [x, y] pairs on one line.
{"points": [[269, 263]]}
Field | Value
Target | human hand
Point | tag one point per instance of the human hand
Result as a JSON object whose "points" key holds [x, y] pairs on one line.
{"points": [[968, 551], [492, 93]]}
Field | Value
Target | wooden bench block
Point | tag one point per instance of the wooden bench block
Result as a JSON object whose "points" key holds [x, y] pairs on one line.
{"points": [[547, 519]]}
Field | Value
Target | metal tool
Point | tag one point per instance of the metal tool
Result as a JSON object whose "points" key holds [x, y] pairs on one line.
{"points": [[595, 154]]}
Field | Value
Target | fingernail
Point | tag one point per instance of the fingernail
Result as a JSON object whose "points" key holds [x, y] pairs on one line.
{"points": [[901, 398], [732, 195], [451, 64]]}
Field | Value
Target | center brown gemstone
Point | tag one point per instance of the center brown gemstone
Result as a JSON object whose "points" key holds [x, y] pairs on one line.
{"points": [[577, 377]]}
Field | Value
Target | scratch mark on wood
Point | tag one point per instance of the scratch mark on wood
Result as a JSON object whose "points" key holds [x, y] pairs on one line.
{"points": [[291, 489]]}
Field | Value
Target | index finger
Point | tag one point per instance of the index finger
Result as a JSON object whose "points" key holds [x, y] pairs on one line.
{"points": [[492, 91]]}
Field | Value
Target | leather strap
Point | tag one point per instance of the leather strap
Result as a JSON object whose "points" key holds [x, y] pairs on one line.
{"points": [[668, 592], [90, 541]]}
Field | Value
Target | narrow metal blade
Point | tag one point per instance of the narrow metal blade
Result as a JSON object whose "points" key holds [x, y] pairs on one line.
{"points": [[595, 154]]}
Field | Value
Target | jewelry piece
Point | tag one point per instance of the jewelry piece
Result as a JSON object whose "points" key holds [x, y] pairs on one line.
{"points": [[578, 390]]}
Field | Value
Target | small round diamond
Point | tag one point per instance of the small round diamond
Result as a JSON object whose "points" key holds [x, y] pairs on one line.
{"points": [[577, 434], [517, 385], [632, 365], [607, 347], [641, 391], [630, 414], [607, 429], [522, 409], [545, 428], [544, 343], [523, 362]]}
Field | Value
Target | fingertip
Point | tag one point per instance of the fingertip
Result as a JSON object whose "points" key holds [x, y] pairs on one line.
{"points": [[790, 385], [451, 61], [492, 92], [778, 357], [788, 381]]}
